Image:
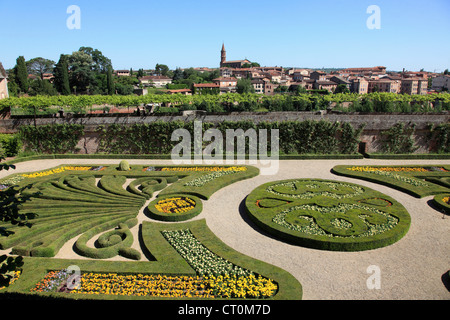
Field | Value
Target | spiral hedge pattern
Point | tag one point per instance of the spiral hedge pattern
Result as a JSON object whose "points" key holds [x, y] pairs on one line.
{"points": [[327, 215]]}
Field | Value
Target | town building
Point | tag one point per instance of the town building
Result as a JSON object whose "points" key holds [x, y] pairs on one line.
{"points": [[155, 81], [441, 82], [122, 73], [3, 83], [206, 88], [226, 84], [359, 85], [379, 70], [231, 64], [414, 86]]}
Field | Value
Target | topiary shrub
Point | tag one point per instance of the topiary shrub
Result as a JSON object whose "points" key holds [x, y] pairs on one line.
{"points": [[124, 165]]}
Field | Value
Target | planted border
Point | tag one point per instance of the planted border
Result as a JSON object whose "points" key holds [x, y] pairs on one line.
{"points": [[175, 208]]}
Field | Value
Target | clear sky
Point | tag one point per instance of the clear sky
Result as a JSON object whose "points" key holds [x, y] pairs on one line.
{"points": [[137, 34]]}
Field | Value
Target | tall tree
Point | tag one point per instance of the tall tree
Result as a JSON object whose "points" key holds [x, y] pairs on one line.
{"points": [[61, 75], [21, 75], [81, 73], [110, 82], [161, 69], [39, 66], [100, 62]]}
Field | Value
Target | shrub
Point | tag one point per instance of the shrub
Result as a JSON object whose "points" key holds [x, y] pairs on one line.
{"points": [[124, 165]]}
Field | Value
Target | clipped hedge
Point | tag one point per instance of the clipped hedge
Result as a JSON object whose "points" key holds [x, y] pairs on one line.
{"points": [[326, 214], [439, 201], [107, 248], [159, 214], [418, 184]]}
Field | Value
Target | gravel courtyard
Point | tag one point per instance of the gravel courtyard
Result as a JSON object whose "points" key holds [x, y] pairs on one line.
{"points": [[411, 268]]}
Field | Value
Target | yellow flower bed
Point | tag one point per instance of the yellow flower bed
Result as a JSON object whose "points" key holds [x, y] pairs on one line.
{"points": [[15, 277], [446, 200], [208, 169], [165, 285], [53, 171], [175, 205], [388, 169]]}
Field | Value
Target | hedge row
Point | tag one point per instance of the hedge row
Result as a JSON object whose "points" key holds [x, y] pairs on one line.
{"points": [[266, 216]]}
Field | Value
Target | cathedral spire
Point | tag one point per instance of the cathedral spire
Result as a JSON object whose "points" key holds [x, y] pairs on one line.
{"points": [[223, 55]]}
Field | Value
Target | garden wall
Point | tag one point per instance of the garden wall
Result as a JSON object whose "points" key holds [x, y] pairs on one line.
{"points": [[374, 123]]}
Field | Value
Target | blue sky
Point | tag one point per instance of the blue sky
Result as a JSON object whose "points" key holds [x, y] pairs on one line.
{"points": [[180, 33]]}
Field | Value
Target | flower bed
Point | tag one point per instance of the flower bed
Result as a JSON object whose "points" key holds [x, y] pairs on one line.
{"points": [[175, 208], [327, 215], [442, 202], [62, 169], [418, 181], [159, 285]]}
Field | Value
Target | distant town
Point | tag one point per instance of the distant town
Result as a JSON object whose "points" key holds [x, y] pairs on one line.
{"points": [[231, 76]]}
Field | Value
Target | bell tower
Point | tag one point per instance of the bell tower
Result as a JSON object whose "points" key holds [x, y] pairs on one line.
{"points": [[223, 55]]}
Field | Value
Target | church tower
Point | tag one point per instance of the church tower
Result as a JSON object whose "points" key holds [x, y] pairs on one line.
{"points": [[223, 55]]}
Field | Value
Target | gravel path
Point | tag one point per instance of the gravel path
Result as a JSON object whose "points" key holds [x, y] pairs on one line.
{"points": [[411, 268]]}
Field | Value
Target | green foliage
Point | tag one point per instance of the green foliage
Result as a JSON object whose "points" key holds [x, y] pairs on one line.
{"points": [[61, 75], [398, 139], [59, 138], [21, 74], [11, 144], [124, 165], [441, 135]]}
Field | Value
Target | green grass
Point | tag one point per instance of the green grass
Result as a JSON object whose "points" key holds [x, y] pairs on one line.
{"points": [[327, 215]]}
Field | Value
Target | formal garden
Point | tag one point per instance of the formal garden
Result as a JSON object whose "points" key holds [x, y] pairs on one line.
{"points": [[135, 232]]}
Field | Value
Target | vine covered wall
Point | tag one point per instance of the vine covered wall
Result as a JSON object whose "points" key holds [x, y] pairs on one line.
{"points": [[295, 137]]}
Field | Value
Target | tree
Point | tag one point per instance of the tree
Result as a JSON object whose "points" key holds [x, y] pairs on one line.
{"points": [[81, 73], [140, 73], [39, 66], [341, 88], [446, 71], [245, 86], [21, 75], [10, 200], [110, 82], [61, 75], [100, 63], [161, 69]]}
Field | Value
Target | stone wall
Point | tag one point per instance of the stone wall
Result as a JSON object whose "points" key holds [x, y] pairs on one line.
{"points": [[374, 123]]}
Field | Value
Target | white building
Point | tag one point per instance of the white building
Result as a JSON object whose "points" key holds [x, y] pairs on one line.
{"points": [[3, 83], [439, 82]]}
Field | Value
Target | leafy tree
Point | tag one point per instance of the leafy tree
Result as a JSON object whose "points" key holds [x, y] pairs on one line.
{"points": [[446, 71], [100, 63], [10, 201], [81, 74], [110, 82], [245, 86], [42, 87], [161, 69], [341, 88], [140, 73], [61, 75], [38, 66], [21, 75]]}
